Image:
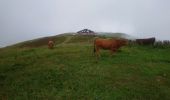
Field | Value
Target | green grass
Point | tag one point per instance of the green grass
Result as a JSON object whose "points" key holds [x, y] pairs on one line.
{"points": [[70, 72]]}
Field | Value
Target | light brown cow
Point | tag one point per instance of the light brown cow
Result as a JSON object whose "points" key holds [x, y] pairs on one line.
{"points": [[108, 44], [50, 44]]}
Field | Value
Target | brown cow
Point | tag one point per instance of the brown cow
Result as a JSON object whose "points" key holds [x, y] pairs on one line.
{"points": [[50, 44], [108, 44]]}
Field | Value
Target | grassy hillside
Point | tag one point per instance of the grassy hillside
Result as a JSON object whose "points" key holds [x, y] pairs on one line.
{"points": [[58, 39], [70, 72]]}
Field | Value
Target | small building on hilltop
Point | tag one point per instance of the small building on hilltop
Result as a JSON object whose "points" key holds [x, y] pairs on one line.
{"points": [[86, 32]]}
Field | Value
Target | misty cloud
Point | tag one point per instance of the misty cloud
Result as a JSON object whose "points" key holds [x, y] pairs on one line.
{"points": [[28, 19]]}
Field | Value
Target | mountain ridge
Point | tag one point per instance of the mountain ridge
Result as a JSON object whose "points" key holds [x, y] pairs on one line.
{"points": [[60, 38]]}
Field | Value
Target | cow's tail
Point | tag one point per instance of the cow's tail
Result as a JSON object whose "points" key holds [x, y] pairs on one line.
{"points": [[94, 50]]}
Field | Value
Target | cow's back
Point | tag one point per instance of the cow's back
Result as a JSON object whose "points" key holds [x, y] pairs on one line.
{"points": [[104, 43], [109, 43]]}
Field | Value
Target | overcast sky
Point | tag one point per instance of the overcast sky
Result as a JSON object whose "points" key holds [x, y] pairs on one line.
{"points": [[28, 19]]}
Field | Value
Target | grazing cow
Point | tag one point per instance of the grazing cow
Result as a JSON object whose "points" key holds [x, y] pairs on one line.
{"points": [[50, 44], [147, 41], [108, 44]]}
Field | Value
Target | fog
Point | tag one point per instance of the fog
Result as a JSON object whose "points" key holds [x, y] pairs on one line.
{"points": [[22, 20]]}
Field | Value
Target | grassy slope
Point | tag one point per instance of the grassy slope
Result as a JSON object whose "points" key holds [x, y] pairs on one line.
{"points": [[70, 71]]}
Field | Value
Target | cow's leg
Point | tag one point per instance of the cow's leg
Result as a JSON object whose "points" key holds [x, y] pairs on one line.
{"points": [[112, 51], [97, 52]]}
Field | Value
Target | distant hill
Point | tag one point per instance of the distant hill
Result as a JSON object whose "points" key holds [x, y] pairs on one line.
{"points": [[69, 38], [58, 39]]}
